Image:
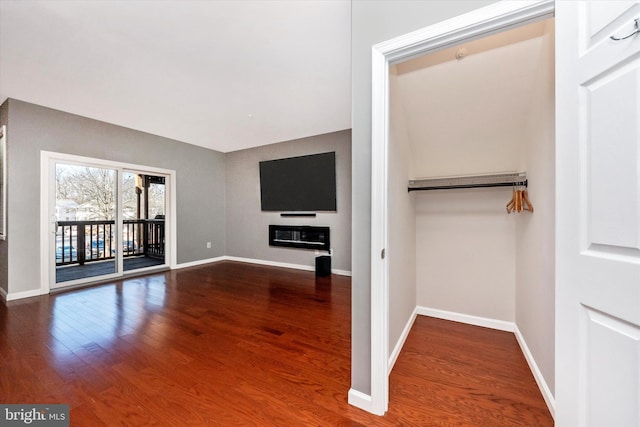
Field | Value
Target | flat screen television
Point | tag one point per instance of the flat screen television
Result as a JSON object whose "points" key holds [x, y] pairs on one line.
{"points": [[299, 184]]}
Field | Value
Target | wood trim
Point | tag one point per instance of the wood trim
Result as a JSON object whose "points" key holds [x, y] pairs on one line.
{"points": [[360, 400], [547, 394], [12, 296], [403, 337], [379, 237], [485, 322], [200, 262], [260, 262]]}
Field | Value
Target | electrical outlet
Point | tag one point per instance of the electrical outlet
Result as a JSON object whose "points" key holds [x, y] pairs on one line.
{"points": [[208, 245]]}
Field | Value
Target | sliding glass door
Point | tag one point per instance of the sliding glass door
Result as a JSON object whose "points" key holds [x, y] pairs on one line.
{"points": [[106, 219]]}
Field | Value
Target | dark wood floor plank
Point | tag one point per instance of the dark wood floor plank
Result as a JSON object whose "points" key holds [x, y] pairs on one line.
{"points": [[239, 344]]}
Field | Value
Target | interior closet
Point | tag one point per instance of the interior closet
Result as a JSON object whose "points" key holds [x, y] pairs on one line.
{"points": [[481, 108]]}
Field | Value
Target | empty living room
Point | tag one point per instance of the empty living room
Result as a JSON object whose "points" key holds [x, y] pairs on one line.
{"points": [[319, 212]]}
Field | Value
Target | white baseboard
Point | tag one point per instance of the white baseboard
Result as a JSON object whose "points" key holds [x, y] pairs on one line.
{"points": [[200, 262], [341, 272], [403, 337], [271, 263], [360, 400], [502, 326], [485, 322], [537, 374], [258, 261], [283, 265], [24, 294]]}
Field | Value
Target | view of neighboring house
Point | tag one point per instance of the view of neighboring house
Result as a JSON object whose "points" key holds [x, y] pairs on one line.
{"points": [[67, 210]]}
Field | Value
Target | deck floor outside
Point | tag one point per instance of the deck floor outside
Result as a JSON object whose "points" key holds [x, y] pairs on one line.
{"points": [[99, 268]]}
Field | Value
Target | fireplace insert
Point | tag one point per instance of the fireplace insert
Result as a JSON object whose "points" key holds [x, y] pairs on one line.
{"points": [[300, 236]]}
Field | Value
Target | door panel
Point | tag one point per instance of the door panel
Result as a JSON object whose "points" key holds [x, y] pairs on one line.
{"points": [[611, 133], [615, 344], [86, 236], [598, 215]]}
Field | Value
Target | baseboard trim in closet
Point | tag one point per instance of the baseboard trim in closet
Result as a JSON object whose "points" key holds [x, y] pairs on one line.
{"points": [[537, 374], [485, 322], [403, 337]]}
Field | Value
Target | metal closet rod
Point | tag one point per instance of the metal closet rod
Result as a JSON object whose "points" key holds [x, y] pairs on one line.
{"points": [[470, 181]]}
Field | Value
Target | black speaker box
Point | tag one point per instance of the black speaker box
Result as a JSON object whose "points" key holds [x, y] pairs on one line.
{"points": [[323, 265]]}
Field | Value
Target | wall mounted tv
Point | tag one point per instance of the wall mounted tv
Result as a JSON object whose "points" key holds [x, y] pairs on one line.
{"points": [[299, 184]]}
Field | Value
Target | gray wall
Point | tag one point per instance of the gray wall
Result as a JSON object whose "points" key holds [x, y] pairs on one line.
{"points": [[247, 225], [4, 244], [374, 22], [200, 179]]}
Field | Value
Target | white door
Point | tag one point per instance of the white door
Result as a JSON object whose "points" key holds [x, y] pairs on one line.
{"points": [[598, 214]]}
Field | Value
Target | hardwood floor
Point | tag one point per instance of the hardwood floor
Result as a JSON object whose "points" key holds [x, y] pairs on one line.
{"points": [[240, 344]]}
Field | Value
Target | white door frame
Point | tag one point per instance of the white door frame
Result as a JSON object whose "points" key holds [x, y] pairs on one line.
{"points": [[47, 185], [489, 20]]}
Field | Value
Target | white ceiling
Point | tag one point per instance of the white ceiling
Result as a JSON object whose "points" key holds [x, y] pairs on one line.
{"points": [[473, 115], [225, 75]]}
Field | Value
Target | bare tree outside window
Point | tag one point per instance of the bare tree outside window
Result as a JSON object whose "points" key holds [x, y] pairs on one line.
{"points": [[93, 192]]}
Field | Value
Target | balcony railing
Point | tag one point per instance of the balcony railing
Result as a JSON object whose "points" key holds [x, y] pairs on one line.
{"points": [[79, 242]]}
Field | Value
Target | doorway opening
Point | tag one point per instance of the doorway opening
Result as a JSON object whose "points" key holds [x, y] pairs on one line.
{"points": [[490, 20], [473, 113]]}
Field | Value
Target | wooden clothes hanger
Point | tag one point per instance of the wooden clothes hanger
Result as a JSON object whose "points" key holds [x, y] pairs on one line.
{"points": [[519, 201], [527, 202]]}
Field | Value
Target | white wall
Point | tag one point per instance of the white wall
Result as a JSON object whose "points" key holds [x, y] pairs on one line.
{"points": [[466, 116], [470, 116], [466, 254], [535, 244], [402, 221]]}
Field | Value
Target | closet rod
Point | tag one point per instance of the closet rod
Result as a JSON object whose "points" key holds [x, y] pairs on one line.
{"points": [[475, 181]]}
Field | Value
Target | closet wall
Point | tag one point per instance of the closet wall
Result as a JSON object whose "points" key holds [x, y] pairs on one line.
{"points": [[535, 234], [401, 213], [489, 110]]}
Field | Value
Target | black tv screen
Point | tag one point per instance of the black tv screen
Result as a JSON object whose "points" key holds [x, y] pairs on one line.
{"points": [[299, 184]]}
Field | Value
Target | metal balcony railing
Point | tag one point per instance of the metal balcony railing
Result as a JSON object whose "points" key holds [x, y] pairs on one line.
{"points": [[79, 242]]}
